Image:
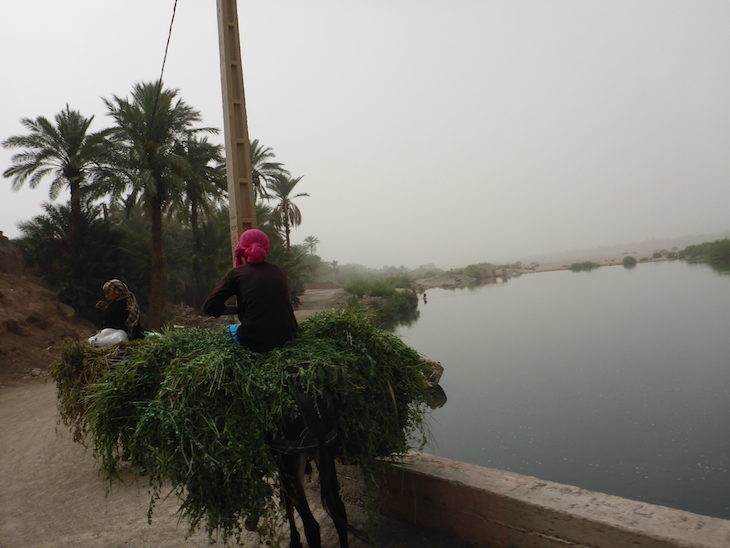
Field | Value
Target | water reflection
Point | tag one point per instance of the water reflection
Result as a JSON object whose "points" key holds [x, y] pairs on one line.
{"points": [[401, 317], [437, 397], [616, 381], [721, 267]]}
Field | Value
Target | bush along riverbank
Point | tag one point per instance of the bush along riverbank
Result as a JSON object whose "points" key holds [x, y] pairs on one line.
{"points": [[392, 302]]}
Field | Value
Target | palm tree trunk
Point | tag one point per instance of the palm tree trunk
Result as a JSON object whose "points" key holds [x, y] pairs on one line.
{"points": [[197, 276], [287, 230], [157, 270], [74, 221]]}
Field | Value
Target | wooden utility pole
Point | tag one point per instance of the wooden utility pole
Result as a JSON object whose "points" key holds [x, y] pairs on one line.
{"points": [[235, 124]]}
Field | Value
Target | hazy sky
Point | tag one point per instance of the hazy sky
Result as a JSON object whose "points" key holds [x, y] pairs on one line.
{"points": [[451, 132]]}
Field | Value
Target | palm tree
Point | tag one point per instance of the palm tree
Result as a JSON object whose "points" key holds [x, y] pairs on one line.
{"points": [[294, 262], [265, 223], [311, 244], [148, 131], [285, 214], [204, 184], [215, 235], [204, 187], [66, 151], [76, 270], [263, 169]]}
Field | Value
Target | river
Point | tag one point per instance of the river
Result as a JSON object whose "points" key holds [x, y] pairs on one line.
{"points": [[615, 380]]}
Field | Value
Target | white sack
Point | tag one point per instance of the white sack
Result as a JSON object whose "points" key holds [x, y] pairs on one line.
{"points": [[109, 337]]}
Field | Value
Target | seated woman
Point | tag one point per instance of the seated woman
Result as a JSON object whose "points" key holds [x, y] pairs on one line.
{"points": [[262, 296], [120, 322]]}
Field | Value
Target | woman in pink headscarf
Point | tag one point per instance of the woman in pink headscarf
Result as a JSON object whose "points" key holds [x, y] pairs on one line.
{"points": [[262, 297]]}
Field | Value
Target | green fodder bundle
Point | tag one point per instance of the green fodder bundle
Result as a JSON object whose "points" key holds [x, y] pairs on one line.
{"points": [[77, 369], [199, 412], [378, 384]]}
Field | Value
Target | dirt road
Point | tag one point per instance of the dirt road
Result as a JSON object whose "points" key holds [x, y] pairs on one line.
{"points": [[315, 300], [50, 492]]}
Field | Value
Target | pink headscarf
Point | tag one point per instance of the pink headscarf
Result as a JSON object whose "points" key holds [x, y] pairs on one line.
{"points": [[253, 246]]}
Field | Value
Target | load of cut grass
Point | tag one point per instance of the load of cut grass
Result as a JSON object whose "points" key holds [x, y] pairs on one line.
{"points": [[76, 371], [199, 412]]}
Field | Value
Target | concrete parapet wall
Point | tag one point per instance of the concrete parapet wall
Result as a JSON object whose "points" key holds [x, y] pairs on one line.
{"points": [[493, 508]]}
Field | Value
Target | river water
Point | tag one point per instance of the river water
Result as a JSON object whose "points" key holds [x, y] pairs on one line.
{"points": [[614, 380]]}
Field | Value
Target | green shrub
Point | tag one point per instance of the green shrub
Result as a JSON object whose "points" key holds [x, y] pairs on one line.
{"points": [[717, 251], [629, 262], [388, 305], [584, 266]]}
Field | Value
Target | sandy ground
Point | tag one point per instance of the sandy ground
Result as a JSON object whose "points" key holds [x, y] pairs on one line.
{"points": [[315, 300], [51, 495]]}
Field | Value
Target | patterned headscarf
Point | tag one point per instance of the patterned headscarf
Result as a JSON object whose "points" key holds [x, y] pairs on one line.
{"points": [[118, 287], [253, 246]]}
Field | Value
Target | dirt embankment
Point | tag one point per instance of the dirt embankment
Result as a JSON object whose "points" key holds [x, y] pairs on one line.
{"points": [[445, 281], [32, 321]]}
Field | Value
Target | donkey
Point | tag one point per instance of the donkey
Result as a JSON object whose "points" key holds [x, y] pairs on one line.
{"points": [[310, 436]]}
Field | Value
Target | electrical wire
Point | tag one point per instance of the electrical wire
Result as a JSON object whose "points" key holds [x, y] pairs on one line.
{"points": [[164, 61], [167, 46]]}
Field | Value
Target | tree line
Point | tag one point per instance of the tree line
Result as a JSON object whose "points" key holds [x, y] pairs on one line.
{"points": [[717, 252], [147, 202]]}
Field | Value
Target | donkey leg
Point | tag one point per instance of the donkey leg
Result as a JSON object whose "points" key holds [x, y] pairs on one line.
{"points": [[296, 485], [287, 471], [330, 491], [295, 541]]}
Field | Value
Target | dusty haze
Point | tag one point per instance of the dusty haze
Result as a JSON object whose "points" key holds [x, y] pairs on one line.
{"points": [[444, 132]]}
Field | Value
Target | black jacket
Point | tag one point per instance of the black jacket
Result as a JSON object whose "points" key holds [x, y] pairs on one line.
{"points": [[264, 308], [115, 317]]}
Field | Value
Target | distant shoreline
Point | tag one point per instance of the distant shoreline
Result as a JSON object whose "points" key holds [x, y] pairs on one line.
{"points": [[453, 281], [551, 267]]}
